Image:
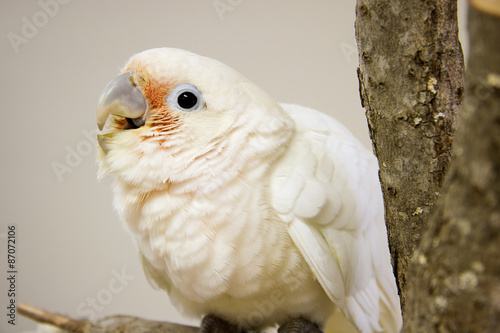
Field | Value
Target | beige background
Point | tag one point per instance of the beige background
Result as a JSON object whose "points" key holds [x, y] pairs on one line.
{"points": [[70, 244]]}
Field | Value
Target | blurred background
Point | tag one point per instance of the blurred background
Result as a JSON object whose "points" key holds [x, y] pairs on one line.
{"points": [[72, 254]]}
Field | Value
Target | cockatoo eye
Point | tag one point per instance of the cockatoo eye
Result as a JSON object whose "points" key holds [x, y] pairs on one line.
{"points": [[185, 97]]}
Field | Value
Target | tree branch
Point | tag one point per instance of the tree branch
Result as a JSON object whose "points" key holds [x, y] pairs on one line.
{"points": [[113, 324], [411, 84], [454, 285], [54, 319]]}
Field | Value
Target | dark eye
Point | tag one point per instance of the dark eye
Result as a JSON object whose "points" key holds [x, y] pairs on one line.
{"points": [[185, 97], [187, 100]]}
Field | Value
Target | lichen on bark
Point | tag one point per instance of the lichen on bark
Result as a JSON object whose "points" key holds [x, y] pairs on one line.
{"points": [[454, 282], [411, 84]]}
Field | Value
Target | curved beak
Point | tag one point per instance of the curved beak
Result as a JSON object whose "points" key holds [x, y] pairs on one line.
{"points": [[121, 97]]}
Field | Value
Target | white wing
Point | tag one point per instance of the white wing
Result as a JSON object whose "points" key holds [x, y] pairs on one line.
{"points": [[326, 187]]}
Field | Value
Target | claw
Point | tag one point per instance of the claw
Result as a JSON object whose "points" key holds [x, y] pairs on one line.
{"points": [[299, 325], [214, 324]]}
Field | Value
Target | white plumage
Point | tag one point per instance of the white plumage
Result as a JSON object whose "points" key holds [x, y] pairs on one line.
{"points": [[244, 208]]}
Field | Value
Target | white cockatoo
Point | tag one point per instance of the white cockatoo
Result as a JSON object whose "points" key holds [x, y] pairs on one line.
{"points": [[248, 212]]}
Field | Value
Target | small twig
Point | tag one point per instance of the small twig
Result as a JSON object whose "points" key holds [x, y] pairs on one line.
{"points": [[60, 321], [112, 324]]}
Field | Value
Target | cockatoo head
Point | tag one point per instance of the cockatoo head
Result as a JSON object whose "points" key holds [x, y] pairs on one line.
{"points": [[174, 116]]}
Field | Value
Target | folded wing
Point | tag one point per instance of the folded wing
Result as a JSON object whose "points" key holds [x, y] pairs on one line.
{"points": [[326, 188]]}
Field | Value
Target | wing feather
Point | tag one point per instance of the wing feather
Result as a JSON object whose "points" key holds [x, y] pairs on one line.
{"points": [[326, 188], [317, 252]]}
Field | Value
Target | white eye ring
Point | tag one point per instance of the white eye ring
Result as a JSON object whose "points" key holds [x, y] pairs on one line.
{"points": [[185, 97]]}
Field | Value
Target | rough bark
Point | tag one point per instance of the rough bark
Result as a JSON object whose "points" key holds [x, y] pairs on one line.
{"points": [[454, 283], [411, 84]]}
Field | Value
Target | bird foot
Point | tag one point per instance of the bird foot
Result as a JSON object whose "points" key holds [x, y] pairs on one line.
{"points": [[214, 324], [299, 325]]}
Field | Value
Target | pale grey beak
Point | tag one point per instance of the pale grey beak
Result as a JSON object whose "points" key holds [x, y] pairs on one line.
{"points": [[121, 97]]}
